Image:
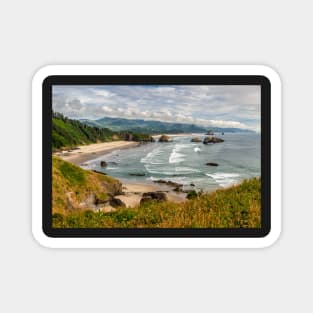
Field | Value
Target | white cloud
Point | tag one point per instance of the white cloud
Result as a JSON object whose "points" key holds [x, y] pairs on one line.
{"points": [[223, 106]]}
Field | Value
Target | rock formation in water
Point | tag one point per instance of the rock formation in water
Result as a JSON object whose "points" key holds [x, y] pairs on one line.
{"points": [[196, 139], [165, 138], [212, 140]]}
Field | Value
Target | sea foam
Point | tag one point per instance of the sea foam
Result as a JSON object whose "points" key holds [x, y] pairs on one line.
{"points": [[176, 156], [225, 179]]}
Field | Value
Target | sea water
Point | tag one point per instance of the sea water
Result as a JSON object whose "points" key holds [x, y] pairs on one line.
{"points": [[184, 162]]}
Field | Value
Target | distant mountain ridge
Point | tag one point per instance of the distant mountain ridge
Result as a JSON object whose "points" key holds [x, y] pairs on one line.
{"points": [[154, 127]]}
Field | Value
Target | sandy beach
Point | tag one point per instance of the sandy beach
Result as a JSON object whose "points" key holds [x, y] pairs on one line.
{"points": [[85, 153], [133, 192]]}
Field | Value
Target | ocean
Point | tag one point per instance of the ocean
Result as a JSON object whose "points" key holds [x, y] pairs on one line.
{"points": [[184, 162]]}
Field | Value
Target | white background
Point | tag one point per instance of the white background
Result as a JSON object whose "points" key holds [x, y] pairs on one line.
{"points": [[37, 33]]}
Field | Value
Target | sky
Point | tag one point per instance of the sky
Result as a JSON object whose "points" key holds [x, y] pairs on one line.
{"points": [[236, 106]]}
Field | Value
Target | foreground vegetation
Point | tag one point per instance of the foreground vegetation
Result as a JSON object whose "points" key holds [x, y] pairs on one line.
{"points": [[235, 207], [74, 188]]}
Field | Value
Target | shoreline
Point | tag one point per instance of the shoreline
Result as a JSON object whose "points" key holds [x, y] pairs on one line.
{"points": [[86, 153]]}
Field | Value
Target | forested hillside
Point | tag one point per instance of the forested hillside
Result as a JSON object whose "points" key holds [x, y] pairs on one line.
{"points": [[154, 127], [67, 133]]}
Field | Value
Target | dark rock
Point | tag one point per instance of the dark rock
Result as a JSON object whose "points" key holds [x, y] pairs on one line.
{"points": [[212, 140], [117, 203], [165, 138], [103, 164], [196, 139], [153, 196], [160, 181], [210, 132], [192, 195], [98, 172], [212, 164], [100, 200], [222, 133], [137, 174], [169, 183], [178, 189], [192, 184]]}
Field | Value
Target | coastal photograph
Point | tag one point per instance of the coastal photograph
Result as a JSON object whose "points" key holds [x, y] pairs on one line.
{"points": [[156, 156]]}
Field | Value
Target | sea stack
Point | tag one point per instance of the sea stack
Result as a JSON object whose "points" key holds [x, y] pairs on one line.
{"points": [[103, 164], [165, 138], [212, 140], [196, 139]]}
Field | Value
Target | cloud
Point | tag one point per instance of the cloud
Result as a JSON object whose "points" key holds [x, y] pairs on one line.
{"points": [[222, 106], [75, 104]]}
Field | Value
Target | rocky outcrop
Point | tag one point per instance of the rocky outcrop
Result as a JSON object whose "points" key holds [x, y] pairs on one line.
{"points": [[103, 164], [165, 138], [153, 196], [212, 164], [117, 203], [113, 187], [169, 183], [212, 140], [196, 139]]}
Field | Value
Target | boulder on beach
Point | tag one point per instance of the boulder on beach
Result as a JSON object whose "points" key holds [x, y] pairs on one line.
{"points": [[196, 139], [178, 189], [153, 196], [165, 138], [212, 140], [210, 132], [169, 183], [103, 164], [212, 164], [192, 194], [117, 203]]}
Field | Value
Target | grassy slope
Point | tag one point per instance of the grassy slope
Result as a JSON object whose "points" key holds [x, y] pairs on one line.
{"points": [[235, 207], [70, 181]]}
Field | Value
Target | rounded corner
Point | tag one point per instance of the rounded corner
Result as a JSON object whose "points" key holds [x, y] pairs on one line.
{"points": [[271, 238], [43, 73], [41, 238], [270, 74]]}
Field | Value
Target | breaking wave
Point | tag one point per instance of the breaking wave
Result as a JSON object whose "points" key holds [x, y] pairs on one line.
{"points": [[225, 179]]}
